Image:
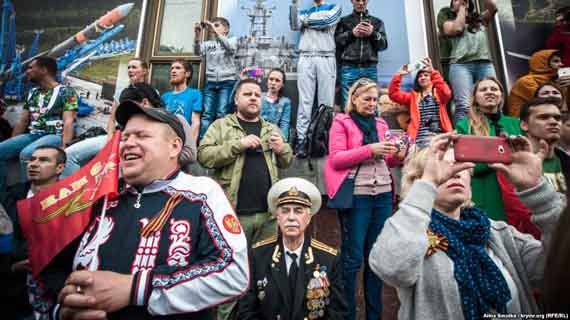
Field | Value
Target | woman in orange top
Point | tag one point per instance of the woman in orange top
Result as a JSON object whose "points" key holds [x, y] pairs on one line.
{"points": [[426, 102]]}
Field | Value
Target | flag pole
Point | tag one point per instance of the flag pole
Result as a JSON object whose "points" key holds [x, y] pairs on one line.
{"points": [[92, 266]]}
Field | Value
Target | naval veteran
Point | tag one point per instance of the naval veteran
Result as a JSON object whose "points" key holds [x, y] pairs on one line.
{"points": [[292, 275]]}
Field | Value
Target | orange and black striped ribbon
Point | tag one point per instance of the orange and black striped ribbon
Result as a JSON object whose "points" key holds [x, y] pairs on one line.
{"points": [[158, 221]]}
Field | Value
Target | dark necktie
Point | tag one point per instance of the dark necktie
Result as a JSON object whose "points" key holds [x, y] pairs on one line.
{"points": [[293, 274]]}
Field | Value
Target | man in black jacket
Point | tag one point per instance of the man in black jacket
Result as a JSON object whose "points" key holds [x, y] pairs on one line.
{"points": [[292, 275], [358, 36]]}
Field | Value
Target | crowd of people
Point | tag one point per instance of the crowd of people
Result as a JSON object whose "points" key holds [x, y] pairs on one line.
{"points": [[458, 240]]}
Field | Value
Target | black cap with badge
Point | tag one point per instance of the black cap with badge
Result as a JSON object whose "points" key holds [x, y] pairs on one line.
{"points": [[129, 108]]}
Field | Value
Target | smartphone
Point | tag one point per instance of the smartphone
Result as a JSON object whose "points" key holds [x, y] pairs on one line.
{"points": [[254, 73], [418, 65], [564, 72], [482, 149]]}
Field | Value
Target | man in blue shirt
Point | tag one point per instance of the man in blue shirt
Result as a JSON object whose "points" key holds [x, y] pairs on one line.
{"points": [[184, 100]]}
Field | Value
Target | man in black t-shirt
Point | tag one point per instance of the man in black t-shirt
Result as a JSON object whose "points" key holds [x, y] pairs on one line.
{"points": [[246, 153]]}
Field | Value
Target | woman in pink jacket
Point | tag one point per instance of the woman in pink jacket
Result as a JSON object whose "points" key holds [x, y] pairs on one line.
{"points": [[359, 150]]}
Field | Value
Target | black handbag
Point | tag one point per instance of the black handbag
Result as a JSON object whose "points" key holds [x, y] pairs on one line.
{"points": [[343, 197]]}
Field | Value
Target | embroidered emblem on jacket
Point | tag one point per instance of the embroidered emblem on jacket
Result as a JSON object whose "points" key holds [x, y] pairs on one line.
{"points": [[180, 247]]}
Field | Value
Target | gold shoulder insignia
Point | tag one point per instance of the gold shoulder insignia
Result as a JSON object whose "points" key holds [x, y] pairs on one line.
{"points": [[264, 242], [323, 247]]}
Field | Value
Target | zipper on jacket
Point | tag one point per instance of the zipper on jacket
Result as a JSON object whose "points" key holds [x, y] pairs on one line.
{"points": [[137, 204], [360, 39]]}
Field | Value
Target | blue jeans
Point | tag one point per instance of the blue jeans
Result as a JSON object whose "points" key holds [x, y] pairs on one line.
{"points": [[216, 99], [462, 78], [361, 225], [349, 75], [22, 146], [81, 152]]}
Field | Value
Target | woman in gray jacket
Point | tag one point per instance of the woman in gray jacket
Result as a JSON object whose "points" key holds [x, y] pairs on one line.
{"points": [[446, 258]]}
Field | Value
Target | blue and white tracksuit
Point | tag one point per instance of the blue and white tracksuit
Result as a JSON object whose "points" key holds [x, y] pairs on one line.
{"points": [[317, 63]]}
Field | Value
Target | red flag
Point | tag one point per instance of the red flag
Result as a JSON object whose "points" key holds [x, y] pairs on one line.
{"points": [[56, 216]]}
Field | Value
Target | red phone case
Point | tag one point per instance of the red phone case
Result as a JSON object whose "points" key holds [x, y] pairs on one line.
{"points": [[482, 149]]}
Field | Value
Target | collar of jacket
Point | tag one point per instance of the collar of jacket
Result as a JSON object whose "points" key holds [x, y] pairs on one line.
{"points": [[156, 185], [365, 13], [233, 121], [307, 250]]}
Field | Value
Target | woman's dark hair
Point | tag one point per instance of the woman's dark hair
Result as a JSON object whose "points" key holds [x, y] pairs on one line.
{"points": [[551, 84], [139, 91], [280, 93], [473, 19], [417, 87]]}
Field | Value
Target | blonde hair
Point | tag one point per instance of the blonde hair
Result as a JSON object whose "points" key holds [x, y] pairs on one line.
{"points": [[414, 168], [478, 124], [361, 85]]}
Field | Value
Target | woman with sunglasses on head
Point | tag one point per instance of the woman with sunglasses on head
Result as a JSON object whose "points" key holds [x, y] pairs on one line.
{"points": [[464, 31], [426, 102], [447, 259], [486, 118], [356, 170]]}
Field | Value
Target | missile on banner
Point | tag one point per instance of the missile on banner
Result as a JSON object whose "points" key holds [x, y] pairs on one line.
{"points": [[91, 31]]}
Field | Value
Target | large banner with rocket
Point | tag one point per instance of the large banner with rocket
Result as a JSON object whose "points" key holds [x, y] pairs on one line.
{"points": [[92, 41]]}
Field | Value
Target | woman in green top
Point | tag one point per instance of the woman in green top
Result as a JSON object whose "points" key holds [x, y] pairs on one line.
{"points": [[465, 38], [486, 119]]}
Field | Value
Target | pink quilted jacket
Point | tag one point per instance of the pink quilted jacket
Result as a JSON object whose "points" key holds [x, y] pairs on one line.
{"points": [[346, 150]]}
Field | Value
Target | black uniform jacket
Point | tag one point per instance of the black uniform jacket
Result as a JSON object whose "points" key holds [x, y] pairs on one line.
{"points": [[318, 293]]}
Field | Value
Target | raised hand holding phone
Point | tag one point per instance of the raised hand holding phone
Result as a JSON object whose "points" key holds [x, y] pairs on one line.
{"points": [[482, 149]]}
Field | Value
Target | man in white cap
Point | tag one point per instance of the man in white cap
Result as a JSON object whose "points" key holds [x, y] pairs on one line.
{"points": [[292, 275]]}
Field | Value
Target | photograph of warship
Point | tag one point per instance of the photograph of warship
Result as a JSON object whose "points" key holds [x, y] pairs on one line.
{"points": [[258, 48]]}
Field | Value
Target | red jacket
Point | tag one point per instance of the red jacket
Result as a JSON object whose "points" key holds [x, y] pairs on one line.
{"points": [[412, 99]]}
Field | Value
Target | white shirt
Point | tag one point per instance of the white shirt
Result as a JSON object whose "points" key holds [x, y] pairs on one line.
{"points": [[288, 259]]}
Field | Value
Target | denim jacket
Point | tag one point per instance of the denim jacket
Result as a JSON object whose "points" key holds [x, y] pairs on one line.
{"points": [[278, 113]]}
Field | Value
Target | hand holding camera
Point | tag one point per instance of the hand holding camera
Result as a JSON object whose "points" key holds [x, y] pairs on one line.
{"points": [[564, 77]]}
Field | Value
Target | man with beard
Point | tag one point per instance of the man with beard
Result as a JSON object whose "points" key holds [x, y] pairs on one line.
{"points": [[43, 170], [47, 119], [184, 100], [169, 247], [541, 120], [246, 152]]}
